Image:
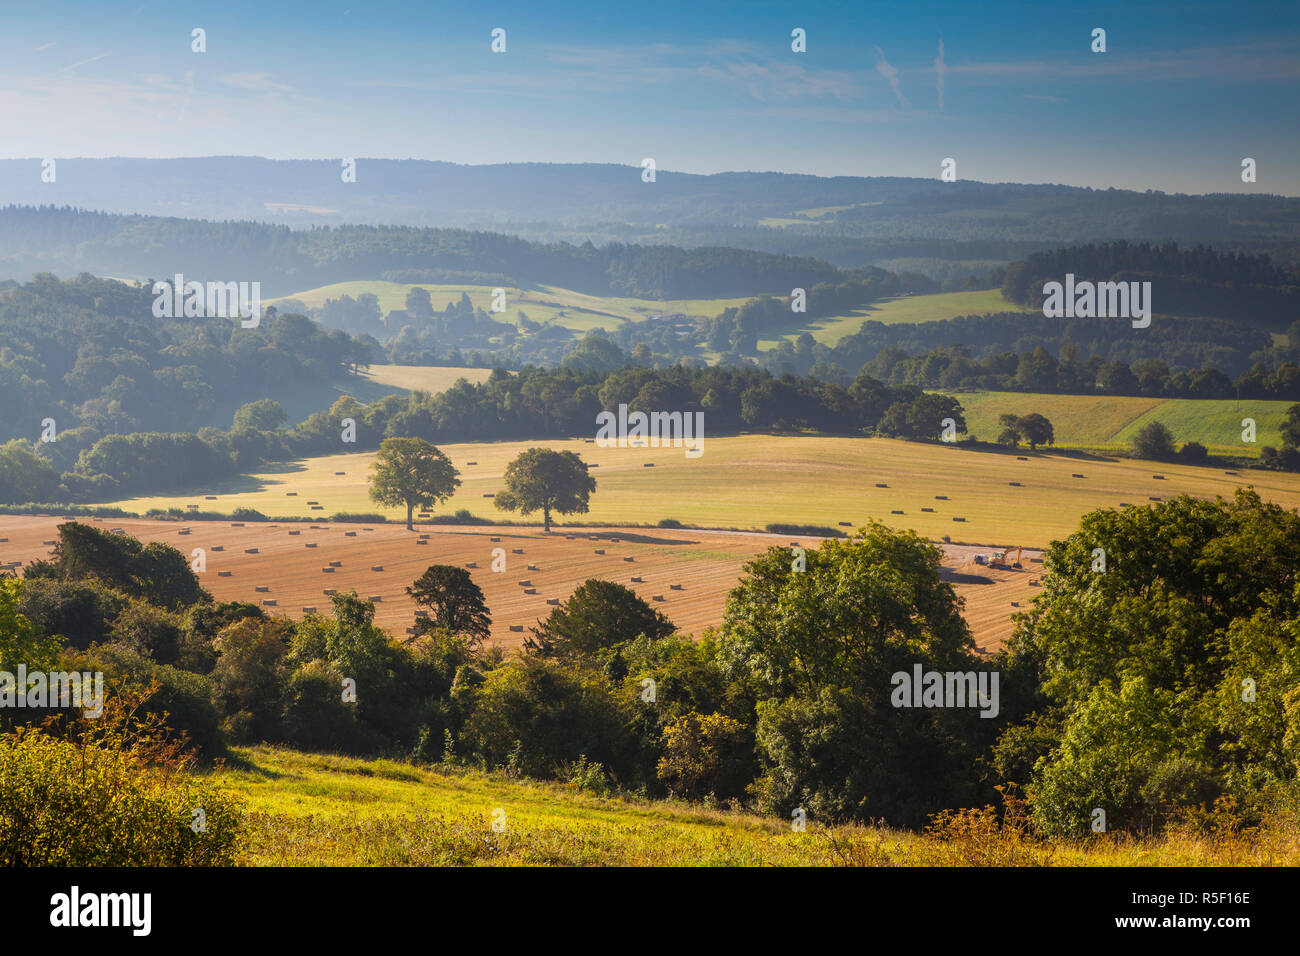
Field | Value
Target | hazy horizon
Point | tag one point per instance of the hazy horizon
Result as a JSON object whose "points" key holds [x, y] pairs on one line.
{"points": [[1013, 92]]}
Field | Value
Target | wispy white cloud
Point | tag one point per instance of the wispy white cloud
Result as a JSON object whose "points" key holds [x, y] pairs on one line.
{"points": [[43, 46], [850, 115], [73, 66], [1254, 61], [891, 77], [785, 81], [255, 82], [940, 71]]}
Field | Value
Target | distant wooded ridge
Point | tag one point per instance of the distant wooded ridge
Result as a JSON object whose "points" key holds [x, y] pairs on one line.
{"points": [[849, 221]]}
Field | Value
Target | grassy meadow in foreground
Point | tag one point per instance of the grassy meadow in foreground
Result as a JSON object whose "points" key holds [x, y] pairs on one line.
{"points": [[749, 481], [323, 810]]}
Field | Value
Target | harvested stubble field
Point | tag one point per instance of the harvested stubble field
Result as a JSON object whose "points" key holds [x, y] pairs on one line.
{"points": [[706, 566], [749, 481]]}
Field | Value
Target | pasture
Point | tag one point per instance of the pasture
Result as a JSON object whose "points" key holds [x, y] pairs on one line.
{"points": [[1111, 421], [746, 482], [899, 310], [581, 312], [545, 304]]}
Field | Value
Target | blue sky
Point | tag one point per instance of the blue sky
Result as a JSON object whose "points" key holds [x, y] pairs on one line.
{"points": [[1183, 93]]}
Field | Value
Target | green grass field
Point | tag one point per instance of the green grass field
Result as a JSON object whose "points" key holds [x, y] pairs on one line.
{"points": [[750, 481], [1110, 422], [899, 310], [545, 304], [323, 810], [581, 312]]}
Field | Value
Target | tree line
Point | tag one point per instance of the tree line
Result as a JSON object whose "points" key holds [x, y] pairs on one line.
{"points": [[1200, 281], [536, 403], [88, 353]]}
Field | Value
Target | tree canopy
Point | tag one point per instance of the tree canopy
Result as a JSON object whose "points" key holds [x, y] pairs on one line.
{"points": [[411, 472], [540, 479]]}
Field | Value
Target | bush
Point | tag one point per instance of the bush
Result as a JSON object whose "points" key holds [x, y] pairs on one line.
{"points": [[1288, 459], [177, 700], [149, 631], [101, 801], [246, 681], [315, 715], [817, 530], [669, 523], [462, 516], [536, 717], [1154, 441], [703, 755], [1194, 452], [587, 775]]}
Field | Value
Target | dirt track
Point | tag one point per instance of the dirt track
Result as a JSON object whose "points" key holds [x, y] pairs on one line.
{"points": [[291, 559]]}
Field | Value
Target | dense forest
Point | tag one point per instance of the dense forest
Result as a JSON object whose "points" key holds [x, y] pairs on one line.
{"points": [[89, 353], [1185, 282], [286, 261]]}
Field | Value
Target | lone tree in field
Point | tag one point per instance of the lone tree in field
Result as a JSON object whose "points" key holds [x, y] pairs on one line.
{"points": [[410, 471], [455, 600], [1037, 430], [1155, 441], [1034, 429], [545, 480]]}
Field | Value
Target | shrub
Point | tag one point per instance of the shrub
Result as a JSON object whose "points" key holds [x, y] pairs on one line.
{"points": [[1154, 441], [538, 716], [110, 798], [702, 755], [149, 631], [246, 680], [82, 612], [818, 530], [315, 715], [175, 699], [587, 775], [462, 516]]}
